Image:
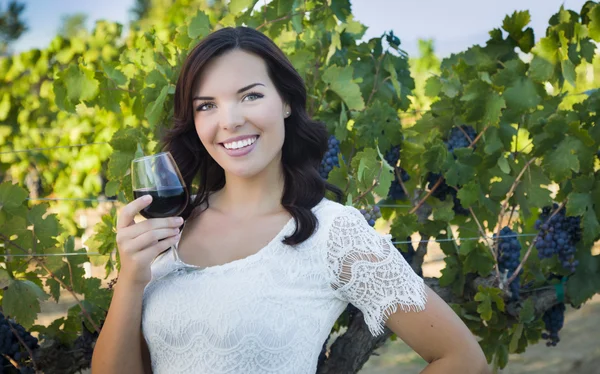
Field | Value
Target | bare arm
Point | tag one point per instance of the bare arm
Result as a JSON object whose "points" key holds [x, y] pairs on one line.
{"points": [[120, 347], [439, 336]]}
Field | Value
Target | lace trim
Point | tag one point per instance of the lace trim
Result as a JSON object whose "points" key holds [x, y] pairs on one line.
{"points": [[369, 272]]}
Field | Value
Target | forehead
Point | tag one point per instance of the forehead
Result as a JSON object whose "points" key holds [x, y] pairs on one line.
{"points": [[232, 71]]}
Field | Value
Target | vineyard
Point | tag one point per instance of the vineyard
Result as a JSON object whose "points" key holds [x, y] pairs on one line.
{"points": [[492, 155]]}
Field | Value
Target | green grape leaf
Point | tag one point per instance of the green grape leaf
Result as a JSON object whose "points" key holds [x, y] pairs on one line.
{"points": [[515, 23], [452, 275], [516, 336], [199, 26], [237, 6], [45, 229], [111, 188], [486, 297], [404, 225], [443, 210], [5, 279], [568, 71], [154, 112], [111, 72], [341, 9], [594, 25], [559, 163], [479, 260], [433, 86], [95, 293], [469, 194], [540, 69], [434, 156], [482, 103], [527, 312], [522, 95], [4, 106], [22, 301], [341, 82], [585, 283], [80, 83], [367, 167], [12, 197]]}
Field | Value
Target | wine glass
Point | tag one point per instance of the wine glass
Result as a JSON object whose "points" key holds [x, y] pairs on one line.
{"points": [[158, 175]]}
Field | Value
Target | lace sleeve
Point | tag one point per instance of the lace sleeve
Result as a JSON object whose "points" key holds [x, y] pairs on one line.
{"points": [[369, 272]]}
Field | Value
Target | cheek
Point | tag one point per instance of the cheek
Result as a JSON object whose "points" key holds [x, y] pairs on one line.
{"points": [[204, 132]]}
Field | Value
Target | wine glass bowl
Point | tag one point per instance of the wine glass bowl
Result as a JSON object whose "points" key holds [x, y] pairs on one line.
{"points": [[158, 175]]}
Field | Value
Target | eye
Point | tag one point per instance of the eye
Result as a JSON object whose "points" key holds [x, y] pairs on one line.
{"points": [[204, 107], [253, 96]]}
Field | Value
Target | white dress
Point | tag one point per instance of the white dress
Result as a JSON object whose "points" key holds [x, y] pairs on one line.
{"points": [[272, 311]]}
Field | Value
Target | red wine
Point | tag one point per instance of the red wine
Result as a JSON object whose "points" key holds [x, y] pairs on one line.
{"points": [[166, 201]]}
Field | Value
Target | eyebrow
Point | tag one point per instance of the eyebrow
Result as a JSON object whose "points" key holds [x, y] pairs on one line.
{"points": [[238, 91]]}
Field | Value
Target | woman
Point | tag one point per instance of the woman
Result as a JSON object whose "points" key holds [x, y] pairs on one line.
{"points": [[265, 263]]}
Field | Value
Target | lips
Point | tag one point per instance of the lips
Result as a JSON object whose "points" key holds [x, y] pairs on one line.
{"points": [[240, 151]]}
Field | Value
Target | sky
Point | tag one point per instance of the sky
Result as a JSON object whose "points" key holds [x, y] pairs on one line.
{"points": [[454, 25]]}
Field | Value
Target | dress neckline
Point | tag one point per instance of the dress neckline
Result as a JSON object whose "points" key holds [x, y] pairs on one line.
{"points": [[250, 258], [242, 261]]}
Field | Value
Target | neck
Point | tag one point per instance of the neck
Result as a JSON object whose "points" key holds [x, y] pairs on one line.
{"points": [[250, 197]]}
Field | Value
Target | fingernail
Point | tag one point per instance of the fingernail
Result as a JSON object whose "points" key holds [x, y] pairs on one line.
{"points": [[147, 198]]}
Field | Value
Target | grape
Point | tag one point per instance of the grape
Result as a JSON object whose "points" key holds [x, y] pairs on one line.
{"points": [[330, 160], [371, 214], [10, 345], [558, 236], [509, 253], [392, 156], [457, 138], [554, 319], [443, 191], [396, 191]]}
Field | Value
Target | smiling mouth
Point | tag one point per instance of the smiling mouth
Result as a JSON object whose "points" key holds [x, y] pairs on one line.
{"points": [[241, 144]]}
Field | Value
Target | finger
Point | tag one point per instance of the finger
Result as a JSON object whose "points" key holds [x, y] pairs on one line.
{"points": [[130, 210], [150, 253], [141, 228], [150, 238]]}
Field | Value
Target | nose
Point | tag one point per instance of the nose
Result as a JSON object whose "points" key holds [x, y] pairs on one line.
{"points": [[231, 118]]}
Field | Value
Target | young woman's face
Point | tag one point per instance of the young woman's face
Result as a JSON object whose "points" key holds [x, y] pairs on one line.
{"points": [[239, 115]]}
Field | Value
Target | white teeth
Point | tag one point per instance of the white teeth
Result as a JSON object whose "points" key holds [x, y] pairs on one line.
{"points": [[240, 144]]}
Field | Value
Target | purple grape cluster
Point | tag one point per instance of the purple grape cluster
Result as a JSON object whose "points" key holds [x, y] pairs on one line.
{"points": [[371, 214], [443, 191], [392, 157], [396, 191], [509, 253], [457, 138], [11, 347], [559, 236], [330, 160], [554, 319]]}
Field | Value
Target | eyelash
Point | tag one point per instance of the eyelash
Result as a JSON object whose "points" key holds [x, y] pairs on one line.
{"points": [[258, 95]]}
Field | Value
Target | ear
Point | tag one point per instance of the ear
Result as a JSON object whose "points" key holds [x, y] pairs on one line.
{"points": [[287, 111]]}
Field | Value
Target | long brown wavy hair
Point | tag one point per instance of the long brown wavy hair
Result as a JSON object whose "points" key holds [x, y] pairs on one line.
{"points": [[305, 140]]}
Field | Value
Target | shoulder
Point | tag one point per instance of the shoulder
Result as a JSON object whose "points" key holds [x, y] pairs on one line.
{"points": [[329, 210], [333, 214]]}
